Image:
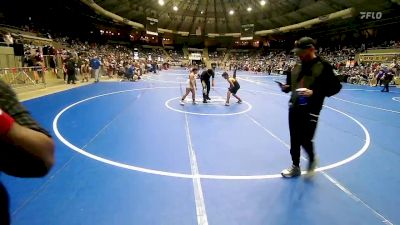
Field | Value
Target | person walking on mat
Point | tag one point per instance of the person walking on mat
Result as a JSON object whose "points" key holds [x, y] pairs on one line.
{"points": [[310, 81]]}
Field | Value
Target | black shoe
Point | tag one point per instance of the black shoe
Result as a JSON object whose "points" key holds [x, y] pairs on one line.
{"points": [[208, 98], [204, 101]]}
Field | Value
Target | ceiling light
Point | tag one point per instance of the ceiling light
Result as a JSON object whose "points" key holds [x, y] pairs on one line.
{"points": [[161, 2], [262, 2], [231, 12], [175, 8], [202, 12], [249, 9]]}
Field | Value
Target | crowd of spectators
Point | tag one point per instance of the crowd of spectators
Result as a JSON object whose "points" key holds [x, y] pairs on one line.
{"points": [[176, 55], [216, 55], [342, 59], [118, 61], [272, 62]]}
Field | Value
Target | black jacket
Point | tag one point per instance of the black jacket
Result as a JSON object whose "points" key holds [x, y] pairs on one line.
{"points": [[205, 76], [70, 66], [316, 75]]}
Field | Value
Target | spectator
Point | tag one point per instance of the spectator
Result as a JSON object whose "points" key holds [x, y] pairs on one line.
{"points": [[95, 65], [387, 78], [26, 148], [70, 66], [131, 72], [85, 70]]}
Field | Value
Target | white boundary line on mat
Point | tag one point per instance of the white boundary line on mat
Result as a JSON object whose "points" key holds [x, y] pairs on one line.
{"points": [[198, 190], [167, 104], [368, 106], [397, 99], [184, 175], [353, 157]]}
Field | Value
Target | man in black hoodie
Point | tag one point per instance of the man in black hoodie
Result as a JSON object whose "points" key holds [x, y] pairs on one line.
{"points": [[310, 81], [26, 149]]}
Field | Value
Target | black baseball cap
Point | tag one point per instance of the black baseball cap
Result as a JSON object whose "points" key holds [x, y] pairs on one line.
{"points": [[303, 44], [225, 74]]}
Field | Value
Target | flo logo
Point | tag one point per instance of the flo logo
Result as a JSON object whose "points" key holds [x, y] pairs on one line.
{"points": [[371, 15]]}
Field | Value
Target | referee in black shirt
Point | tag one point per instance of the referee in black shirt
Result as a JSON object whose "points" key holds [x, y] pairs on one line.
{"points": [[310, 81], [205, 83], [26, 149]]}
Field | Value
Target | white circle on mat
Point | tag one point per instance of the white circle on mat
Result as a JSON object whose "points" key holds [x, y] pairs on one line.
{"points": [[168, 105], [361, 151]]}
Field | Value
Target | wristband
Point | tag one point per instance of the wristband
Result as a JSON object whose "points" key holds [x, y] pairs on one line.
{"points": [[6, 122]]}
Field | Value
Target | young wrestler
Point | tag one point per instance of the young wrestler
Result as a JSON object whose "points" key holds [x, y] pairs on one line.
{"points": [[191, 87], [233, 88]]}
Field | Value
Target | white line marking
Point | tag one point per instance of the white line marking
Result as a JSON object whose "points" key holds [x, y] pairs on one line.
{"points": [[100, 159], [198, 191], [360, 152], [165, 81], [331, 179], [369, 106], [268, 131], [340, 99], [172, 174], [260, 75], [256, 82], [167, 104], [42, 187], [350, 89], [397, 99], [356, 199]]}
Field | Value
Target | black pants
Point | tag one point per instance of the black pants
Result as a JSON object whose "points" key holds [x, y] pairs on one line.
{"points": [[206, 86], [71, 77], [302, 127], [386, 87]]}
